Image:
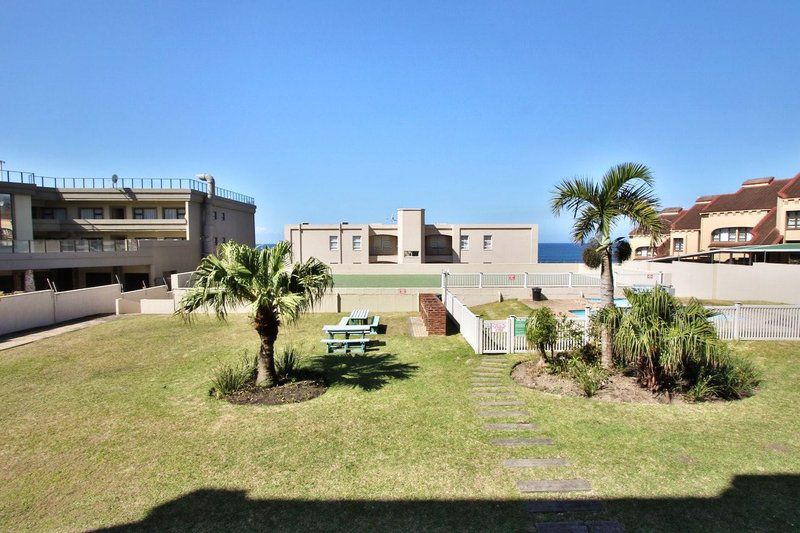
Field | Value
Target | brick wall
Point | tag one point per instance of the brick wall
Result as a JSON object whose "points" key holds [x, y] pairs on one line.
{"points": [[433, 314]]}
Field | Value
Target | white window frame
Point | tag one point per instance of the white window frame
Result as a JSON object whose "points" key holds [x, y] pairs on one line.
{"points": [[463, 243], [675, 244], [333, 243], [356, 243], [487, 239]]}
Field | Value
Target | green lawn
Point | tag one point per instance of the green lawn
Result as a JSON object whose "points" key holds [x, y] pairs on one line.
{"points": [[500, 310], [388, 280], [113, 425]]}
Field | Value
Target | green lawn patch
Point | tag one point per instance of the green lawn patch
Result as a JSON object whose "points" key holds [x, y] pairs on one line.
{"points": [[500, 310], [113, 425], [389, 280]]}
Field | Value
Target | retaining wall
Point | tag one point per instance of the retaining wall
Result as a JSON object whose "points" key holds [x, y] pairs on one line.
{"points": [[433, 313]]}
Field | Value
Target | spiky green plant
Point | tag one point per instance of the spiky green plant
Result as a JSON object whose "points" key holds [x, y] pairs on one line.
{"points": [[661, 336], [541, 329], [625, 193], [276, 290]]}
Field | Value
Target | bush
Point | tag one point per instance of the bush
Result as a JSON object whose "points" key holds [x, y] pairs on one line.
{"points": [[590, 377], [287, 364], [735, 378], [234, 376], [542, 330], [701, 391]]}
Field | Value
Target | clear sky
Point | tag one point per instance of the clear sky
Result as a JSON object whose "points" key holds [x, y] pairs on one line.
{"points": [[331, 111]]}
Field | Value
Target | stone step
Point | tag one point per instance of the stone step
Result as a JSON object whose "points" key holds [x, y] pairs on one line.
{"points": [[579, 527], [500, 404], [516, 426], [535, 463], [500, 414], [564, 506], [522, 441], [553, 485], [495, 395]]}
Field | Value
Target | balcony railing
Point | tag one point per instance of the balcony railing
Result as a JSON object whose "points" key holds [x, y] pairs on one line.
{"points": [[15, 176], [46, 246]]}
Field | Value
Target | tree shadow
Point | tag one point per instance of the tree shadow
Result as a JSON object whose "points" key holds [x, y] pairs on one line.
{"points": [[368, 371], [752, 503]]}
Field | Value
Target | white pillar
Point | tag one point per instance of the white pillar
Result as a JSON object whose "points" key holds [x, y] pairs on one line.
{"points": [[511, 338], [737, 315], [480, 280]]}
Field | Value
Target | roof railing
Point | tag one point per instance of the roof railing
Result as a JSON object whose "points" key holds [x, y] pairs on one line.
{"points": [[15, 176]]}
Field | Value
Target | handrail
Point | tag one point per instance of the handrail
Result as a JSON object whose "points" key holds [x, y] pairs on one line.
{"points": [[29, 178]]}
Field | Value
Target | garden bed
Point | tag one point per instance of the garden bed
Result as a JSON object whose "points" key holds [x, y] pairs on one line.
{"points": [[619, 387], [299, 391]]}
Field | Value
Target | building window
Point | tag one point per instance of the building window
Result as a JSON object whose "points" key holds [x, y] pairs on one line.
{"points": [[732, 234], [437, 244], [356, 243], [144, 213], [333, 242], [90, 213], [6, 222], [50, 213], [223, 215], [644, 251], [793, 220], [173, 213], [382, 244], [677, 244], [463, 242], [487, 242], [215, 215]]}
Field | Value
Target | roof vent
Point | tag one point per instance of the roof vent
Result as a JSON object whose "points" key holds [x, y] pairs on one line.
{"points": [[758, 181]]}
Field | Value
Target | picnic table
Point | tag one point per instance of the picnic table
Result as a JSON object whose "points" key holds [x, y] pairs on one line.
{"points": [[359, 316]]}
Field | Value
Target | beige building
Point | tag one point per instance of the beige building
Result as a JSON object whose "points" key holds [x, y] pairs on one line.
{"points": [[76, 233], [764, 211], [412, 241]]}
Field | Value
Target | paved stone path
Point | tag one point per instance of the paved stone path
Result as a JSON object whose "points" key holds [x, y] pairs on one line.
{"points": [[490, 388], [18, 339], [417, 327]]}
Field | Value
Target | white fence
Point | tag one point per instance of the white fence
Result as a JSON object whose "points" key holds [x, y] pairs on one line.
{"points": [[738, 322], [524, 280]]}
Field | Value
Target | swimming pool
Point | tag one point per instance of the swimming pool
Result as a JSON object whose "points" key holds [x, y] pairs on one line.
{"points": [[619, 302]]}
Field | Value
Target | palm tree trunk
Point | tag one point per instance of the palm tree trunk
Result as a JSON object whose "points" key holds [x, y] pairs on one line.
{"points": [[607, 297], [266, 324]]}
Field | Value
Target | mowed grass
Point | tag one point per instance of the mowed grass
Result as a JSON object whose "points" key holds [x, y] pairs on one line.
{"points": [[113, 426], [388, 280], [501, 310]]}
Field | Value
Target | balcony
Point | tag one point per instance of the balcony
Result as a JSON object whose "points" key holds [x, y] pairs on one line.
{"points": [[46, 246], [108, 224]]}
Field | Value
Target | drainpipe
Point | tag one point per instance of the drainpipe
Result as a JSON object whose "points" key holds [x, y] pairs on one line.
{"points": [[205, 238]]}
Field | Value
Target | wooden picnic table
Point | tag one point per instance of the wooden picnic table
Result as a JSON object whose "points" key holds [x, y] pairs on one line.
{"points": [[347, 331], [359, 316], [355, 338]]}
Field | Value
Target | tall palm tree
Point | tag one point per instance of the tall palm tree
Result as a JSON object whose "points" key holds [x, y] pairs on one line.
{"points": [[624, 193], [276, 290]]}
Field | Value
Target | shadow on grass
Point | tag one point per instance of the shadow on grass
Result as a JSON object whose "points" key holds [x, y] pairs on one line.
{"points": [[752, 503], [369, 372]]}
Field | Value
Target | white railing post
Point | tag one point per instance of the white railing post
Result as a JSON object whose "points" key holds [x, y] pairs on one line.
{"points": [[480, 280], [525, 281], [661, 277], [737, 315], [444, 285], [479, 336], [511, 321], [586, 324], [569, 281]]}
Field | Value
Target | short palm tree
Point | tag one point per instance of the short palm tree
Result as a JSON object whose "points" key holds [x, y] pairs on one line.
{"points": [[624, 193], [276, 290]]}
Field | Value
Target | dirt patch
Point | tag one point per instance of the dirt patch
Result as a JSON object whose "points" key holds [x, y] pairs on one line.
{"points": [[299, 391], [618, 388]]}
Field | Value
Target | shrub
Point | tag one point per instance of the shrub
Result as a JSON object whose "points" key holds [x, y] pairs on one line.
{"points": [[287, 363], [701, 391], [735, 378], [590, 377], [542, 330], [234, 376]]}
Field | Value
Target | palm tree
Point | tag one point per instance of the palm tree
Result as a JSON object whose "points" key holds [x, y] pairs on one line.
{"points": [[624, 193], [265, 279]]}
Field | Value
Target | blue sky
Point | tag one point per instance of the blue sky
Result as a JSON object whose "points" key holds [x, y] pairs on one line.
{"points": [[329, 111]]}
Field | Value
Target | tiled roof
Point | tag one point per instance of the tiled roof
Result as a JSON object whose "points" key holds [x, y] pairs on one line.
{"points": [[791, 189], [690, 218], [748, 198], [757, 181], [766, 231], [667, 216]]}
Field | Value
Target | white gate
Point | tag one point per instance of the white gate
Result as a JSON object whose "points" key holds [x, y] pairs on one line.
{"points": [[495, 336]]}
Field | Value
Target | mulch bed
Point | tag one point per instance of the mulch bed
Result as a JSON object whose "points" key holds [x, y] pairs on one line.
{"points": [[298, 391], [619, 387]]}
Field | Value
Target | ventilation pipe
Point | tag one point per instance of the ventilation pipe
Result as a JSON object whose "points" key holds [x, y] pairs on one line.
{"points": [[208, 221]]}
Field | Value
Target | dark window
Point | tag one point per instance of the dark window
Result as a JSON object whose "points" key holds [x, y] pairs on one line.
{"points": [[144, 213], [678, 244], [90, 213], [215, 215], [793, 220], [51, 213], [223, 215], [172, 213]]}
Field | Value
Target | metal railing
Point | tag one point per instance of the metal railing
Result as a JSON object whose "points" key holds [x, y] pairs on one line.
{"points": [[525, 280], [46, 246], [15, 176]]}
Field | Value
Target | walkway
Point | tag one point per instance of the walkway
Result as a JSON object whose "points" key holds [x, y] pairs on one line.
{"points": [[510, 424], [32, 335]]}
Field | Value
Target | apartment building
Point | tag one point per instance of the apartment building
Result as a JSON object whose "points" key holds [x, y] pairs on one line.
{"points": [[412, 241], [764, 211], [74, 232]]}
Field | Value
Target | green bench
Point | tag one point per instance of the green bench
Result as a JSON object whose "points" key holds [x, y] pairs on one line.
{"points": [[346, 345], [376, 322]]}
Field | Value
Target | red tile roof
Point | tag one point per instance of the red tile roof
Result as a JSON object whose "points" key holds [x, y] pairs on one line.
{"points": [[757, 181], [791, 189], [748, 198], [690, 218], [667, 217]]}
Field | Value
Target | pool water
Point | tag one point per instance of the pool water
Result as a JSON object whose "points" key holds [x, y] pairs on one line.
{"points": [[619, 302]]}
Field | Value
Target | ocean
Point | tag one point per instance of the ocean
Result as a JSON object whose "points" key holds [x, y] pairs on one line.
{"points": [[560, 252]]}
